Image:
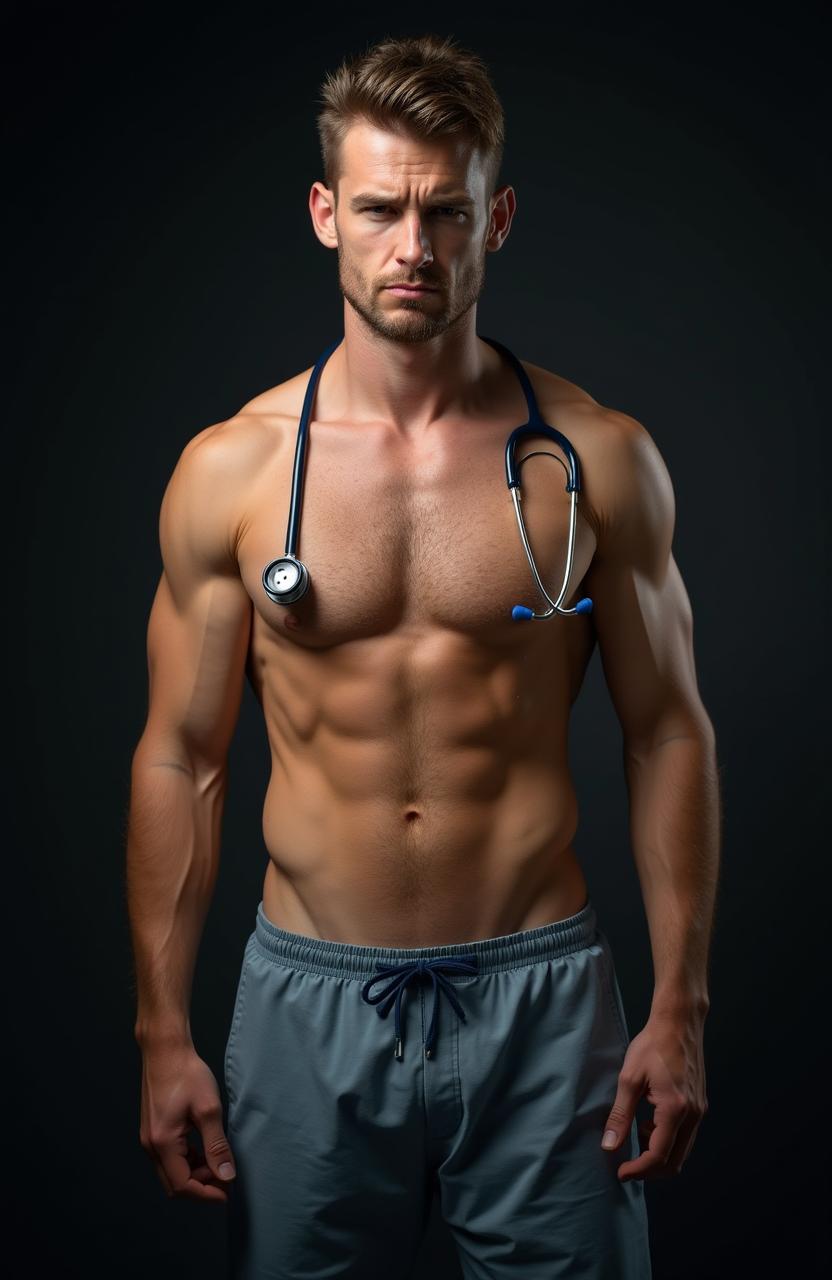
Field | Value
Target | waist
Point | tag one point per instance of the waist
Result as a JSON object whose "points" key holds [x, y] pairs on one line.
{"points": [[341, 958], [394, 899]]}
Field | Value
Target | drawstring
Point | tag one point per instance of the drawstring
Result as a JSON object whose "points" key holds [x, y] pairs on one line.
{"points": [[404, 974]]}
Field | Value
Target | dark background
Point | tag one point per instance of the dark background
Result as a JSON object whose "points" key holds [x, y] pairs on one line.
{"points": [[668, 254]]}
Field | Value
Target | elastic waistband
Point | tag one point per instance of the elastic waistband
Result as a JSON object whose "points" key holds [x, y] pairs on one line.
{"points": [[347, 959]]}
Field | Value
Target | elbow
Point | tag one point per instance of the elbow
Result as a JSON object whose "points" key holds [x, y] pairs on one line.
{"points": [[691, 725], [206, 768]]}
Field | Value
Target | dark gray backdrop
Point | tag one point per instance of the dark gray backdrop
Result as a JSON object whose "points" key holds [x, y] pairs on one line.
{"points": [[667, 254]]}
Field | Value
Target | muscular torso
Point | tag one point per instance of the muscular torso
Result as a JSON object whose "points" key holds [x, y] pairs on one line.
{"points": [[420, 792]]}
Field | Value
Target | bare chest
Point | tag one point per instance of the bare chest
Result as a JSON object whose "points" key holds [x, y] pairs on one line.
{"points": [[417, 534]]}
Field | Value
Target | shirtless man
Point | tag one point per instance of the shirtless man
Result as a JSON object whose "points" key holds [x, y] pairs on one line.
{"points": [[420, 806]]}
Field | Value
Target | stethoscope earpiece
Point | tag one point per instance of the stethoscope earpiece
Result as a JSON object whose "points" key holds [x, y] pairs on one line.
{"points": [[519, 613], [286, 579]]}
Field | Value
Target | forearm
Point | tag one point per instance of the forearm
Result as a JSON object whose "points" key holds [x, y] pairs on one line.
{"points": [[172, 862], [675, 823]]}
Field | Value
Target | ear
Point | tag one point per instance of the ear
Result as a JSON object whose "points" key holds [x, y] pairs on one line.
{"points": [[322, 210]]}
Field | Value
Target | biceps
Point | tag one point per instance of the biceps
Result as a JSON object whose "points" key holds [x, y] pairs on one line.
{"points": [[196, 661], [644, 625]]}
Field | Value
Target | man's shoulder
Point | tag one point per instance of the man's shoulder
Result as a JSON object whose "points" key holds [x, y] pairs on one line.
{"points": [[553, 390], [621, 465], [219, 466], [259, 425], [283, 400], [570, 408], [563, 402]]}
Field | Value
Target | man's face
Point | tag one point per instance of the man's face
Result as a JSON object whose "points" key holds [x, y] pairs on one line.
{"points": [[410, 212]]}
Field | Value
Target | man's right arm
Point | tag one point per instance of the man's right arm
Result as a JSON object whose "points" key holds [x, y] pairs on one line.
{"points": [[197, 641]]}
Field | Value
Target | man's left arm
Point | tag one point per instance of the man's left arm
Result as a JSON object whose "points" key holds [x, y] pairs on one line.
{"points": [[644, 624]]}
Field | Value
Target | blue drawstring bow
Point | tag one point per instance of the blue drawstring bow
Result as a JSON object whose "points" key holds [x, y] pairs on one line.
{"points": [[403, 975]]}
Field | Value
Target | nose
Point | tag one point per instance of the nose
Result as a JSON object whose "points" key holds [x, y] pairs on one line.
{"points": [[414, 249]]}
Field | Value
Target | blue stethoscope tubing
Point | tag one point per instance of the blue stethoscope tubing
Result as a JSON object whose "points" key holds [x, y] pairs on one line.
{"points": [[286, 579]]}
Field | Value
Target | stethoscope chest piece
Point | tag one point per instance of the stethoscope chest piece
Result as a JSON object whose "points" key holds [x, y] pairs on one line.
{"points": [[285, 579]]}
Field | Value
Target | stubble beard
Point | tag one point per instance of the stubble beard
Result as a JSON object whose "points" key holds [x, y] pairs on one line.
{"points": [[423, 321]]}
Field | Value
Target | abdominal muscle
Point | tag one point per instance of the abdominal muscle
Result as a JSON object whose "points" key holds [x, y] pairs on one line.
{"points": [[420, 794]]}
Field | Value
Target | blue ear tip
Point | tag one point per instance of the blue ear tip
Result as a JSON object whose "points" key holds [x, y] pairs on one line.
{"points": [[584, 606], [520, 611]]}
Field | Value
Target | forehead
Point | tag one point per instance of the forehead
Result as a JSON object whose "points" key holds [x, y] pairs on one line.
{"points": [[372, 155]]}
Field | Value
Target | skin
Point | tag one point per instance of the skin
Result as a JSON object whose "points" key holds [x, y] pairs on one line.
{"points": [[420, 790]]}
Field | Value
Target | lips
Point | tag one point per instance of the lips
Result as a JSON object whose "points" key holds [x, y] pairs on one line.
{"points": [[413, 288]]}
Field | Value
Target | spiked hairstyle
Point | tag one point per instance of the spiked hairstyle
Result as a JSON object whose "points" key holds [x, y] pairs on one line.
{"points": [[420, 86]]}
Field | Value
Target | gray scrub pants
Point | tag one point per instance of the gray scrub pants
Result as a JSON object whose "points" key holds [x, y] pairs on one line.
{"points": [[359, 1076]]}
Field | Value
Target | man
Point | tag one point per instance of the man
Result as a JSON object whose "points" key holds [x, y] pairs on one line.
{"points": [[420, 815]]}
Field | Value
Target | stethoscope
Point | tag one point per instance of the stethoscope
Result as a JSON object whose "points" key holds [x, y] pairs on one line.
{"points": [[286, 579]]}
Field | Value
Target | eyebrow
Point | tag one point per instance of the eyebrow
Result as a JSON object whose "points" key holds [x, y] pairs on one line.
{"points": [[370, 197]]}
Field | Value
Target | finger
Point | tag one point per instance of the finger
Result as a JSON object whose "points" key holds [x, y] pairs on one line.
{"points": [[152, 1151], [684, 1141], [645, 1132], [218, 1155], [175, 1163], [621, 1114], [667, 1120], [687, 1133], [199, 1169], [163, 1177]]}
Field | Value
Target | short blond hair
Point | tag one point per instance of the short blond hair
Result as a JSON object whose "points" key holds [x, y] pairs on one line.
{"points": [[421, 86]]}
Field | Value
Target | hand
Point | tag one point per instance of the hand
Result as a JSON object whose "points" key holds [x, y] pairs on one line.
{"points": [[179, 1093], [665, 1061]]}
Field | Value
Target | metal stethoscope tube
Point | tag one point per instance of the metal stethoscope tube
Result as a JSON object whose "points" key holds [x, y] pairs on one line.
{"points": [[536, 426], [520, 611]]}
